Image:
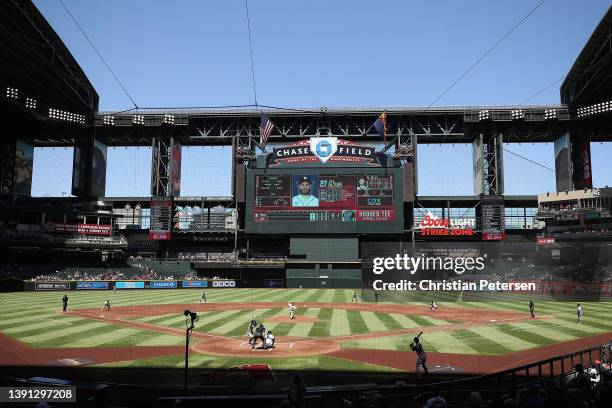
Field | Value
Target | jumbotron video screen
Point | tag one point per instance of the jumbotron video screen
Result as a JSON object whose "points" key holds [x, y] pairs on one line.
{"points": [[325, 200]]}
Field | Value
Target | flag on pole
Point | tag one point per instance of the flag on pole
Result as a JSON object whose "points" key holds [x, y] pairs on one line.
{"points": [[265, 128], [381, 126]]}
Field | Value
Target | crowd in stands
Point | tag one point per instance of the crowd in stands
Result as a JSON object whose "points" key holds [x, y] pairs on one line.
{"points": [[110, 275], [584, 388]]}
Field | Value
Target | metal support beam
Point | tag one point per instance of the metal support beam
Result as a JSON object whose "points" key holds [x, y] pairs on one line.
{"points": [[488, 169]]}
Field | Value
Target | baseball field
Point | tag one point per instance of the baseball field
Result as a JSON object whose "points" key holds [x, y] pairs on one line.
{"points": [[146, 328]]}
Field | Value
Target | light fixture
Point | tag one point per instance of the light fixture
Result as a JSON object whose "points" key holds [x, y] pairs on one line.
{"points": [[138, 119], [550, 114], [108, 120], [483, 115], [30, 103], [518, 114], [168, 119], [66, 116], [12, 93]]}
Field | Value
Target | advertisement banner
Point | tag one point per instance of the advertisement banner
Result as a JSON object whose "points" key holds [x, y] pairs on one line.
{"points": [[85, 229], [163, 284], [92, 285], [224, 284], [129, 285], [52, 286], [320, 150], [195, 284]]}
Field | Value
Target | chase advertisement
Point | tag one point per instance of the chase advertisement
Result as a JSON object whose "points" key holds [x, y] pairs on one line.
{"points": [[163, 285]]}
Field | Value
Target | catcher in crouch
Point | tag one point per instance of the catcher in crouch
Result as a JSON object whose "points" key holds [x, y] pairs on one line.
{"points": [[292, 309]]}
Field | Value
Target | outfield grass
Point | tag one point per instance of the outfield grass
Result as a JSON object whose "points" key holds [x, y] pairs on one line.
{"points": [[35, 318]]}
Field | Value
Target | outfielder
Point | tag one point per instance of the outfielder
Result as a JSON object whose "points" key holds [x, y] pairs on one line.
{"points": [[579, 313], [65, 302], [203, 297], [292, 309], [106, 306], [532, 308], [421, 355], [354, 298]]}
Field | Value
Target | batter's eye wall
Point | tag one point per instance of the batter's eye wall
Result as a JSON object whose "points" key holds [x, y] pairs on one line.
{"points": [[350, 221]]}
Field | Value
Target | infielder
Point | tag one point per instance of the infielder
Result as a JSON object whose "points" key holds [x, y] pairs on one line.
{"points": [[354, 298], [421, 356], [532, 308], [203, 297], [251, 331], [433, 307], [579, 313], [65, 302], [106, 306], [269, 341], [292, 309]]}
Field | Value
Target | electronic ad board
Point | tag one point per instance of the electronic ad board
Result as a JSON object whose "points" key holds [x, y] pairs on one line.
{"points": [[324, 200]]}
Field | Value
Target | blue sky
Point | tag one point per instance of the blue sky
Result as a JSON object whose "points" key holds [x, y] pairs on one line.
{"points": [[322, 53]]}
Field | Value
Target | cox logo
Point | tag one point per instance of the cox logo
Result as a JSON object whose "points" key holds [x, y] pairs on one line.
{"points": [[224, 284]]}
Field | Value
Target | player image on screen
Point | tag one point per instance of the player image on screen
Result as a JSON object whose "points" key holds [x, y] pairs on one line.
{"points": [[305, 196], [362, 184]]}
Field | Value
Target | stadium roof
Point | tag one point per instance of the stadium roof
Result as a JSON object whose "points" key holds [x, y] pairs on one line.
{"points": [[590, 78]]}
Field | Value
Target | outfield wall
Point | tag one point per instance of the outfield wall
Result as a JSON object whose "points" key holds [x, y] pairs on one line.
{"points": [[127, 284]]}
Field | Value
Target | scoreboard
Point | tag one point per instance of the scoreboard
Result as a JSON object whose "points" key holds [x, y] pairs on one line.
{"points": [[327, 200]]}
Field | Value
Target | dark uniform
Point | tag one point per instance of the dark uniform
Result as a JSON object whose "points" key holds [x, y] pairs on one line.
{"points": [[354, 298], [376, 297], [532, 308], [259, 334], [251, 331], [421, 356], [65, 303]]}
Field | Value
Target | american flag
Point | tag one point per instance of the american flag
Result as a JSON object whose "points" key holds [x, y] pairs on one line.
{"points": [[265, 128]]}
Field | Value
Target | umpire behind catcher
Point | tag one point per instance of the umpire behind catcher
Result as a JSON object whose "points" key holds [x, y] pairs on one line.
{"points": [[259, 334]]}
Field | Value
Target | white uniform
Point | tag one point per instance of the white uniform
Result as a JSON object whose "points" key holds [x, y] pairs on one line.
{"points": [[434, 306], [301, 200], [579, 313], [106, 305], [269, 341], [292, 309]]}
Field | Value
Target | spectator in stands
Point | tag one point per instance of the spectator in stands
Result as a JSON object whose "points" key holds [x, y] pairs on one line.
{"points": [[475, 400], [297, 392], [581, 379], [436, 401]]}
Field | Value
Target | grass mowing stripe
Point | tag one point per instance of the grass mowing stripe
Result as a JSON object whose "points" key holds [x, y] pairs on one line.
{"points": [[357, 324], [211, 324], [338, 296], [575, 332], [156, 339], [389, 322], [321, 327], [339, 325], [494, 341], [372, 322], [56, 337], [422, 321], [241, 321], [302, 329], [404, 321], [102, 335], [34, 334], [480, 343], [525, 335], [446, 342], [315, 296], [24, 327]]}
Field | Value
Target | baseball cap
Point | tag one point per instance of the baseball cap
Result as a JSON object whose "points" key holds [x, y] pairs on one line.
{"points": [[305, 179]]}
